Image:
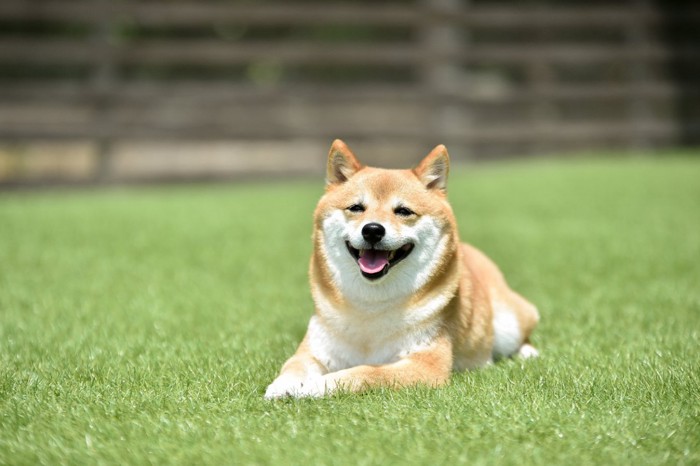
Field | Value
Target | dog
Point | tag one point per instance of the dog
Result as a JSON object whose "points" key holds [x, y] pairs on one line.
{"points": [[399, 301]]}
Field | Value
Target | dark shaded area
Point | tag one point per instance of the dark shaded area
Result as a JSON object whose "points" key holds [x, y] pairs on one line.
{"points": [[680, 31]]}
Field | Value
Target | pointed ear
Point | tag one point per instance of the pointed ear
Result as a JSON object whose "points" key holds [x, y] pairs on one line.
{"points": [[434, 168], [342, 163]]}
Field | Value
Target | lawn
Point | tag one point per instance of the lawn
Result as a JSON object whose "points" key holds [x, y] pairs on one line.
{"points": [[142, 325]]}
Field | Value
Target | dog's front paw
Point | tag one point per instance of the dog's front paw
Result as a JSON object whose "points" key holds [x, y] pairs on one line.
{"points": [[284, 386], [316, 387], [291, 386]]}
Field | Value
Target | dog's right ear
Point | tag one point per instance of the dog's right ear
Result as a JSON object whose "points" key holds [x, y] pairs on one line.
{"points": [[342, 163]]}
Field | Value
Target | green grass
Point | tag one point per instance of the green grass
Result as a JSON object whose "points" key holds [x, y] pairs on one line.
{"points": [[143, 325]]}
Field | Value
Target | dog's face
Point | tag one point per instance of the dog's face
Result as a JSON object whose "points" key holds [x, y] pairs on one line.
{"points": [[383, 232]]}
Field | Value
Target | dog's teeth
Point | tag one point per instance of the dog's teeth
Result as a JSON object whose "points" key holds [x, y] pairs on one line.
{"points": [[362, 252], [392, 254]]}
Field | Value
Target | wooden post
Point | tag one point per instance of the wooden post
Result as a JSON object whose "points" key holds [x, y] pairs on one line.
{"points": [[443, 79], [640, 110], [103, 83], [543, 110]]}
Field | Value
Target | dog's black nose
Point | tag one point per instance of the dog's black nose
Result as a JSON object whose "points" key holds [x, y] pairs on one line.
{"points": [[373, 233]]}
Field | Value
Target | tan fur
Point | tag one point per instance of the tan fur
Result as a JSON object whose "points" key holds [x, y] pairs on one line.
{"points": [[458, 335]]}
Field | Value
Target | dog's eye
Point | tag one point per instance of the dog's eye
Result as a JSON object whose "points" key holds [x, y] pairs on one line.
{"points": [[356, 208], [403, 211]]}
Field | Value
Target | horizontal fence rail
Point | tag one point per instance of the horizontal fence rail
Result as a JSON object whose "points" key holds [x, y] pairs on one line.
{"points": [[124, 77], [205, 12], [216, 53]]}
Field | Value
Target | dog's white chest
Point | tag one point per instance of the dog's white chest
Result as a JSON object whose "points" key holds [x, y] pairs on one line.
{"points": [[349, 342]]}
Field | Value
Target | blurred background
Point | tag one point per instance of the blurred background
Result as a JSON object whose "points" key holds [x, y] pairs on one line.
{"points": [[104, 91]]}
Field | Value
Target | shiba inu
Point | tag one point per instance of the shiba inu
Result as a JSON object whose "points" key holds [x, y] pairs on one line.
{"points": [[398, 299]]}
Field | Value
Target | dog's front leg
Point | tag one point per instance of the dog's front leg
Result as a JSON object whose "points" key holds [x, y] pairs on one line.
{"points": [[299, 372], [430, 366]]}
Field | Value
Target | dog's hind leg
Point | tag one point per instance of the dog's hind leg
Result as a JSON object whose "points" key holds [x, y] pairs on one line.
{"points": [[514, 319], [528, 317]]}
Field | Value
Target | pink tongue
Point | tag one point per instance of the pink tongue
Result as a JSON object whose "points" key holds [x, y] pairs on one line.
{"points": [[373, 261]]}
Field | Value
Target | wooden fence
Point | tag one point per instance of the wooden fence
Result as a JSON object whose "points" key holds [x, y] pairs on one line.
{"points": [[140, 87]]}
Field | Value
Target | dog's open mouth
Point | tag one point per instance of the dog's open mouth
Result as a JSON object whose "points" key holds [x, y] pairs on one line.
{"points": [[375, 263]]}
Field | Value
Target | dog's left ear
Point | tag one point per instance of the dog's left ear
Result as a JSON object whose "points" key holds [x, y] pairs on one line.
{"points": [[342, 163], [434, 168]]}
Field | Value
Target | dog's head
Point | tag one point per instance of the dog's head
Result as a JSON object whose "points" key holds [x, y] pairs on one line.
{"points": [[384, 229]]}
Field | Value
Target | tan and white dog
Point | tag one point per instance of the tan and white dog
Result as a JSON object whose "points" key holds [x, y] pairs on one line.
{"points": [[399, 300]]}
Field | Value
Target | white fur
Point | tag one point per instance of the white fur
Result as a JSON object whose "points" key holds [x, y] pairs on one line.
{"points": [[341, 340], [528, 351], [287, 385], [402, 280], [507, 336], [351, 340], [377, 326]]}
